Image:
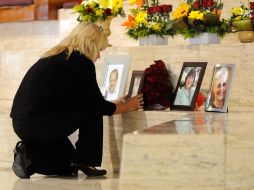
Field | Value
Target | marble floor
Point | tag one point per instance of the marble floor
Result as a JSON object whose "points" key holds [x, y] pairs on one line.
{"points": [[8, 181]]}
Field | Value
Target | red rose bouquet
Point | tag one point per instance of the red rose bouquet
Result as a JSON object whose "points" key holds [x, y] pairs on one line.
{"points": [[157, 85]]}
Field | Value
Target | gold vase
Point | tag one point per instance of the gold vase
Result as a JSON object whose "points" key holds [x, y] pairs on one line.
{"points": [[246, 36]]}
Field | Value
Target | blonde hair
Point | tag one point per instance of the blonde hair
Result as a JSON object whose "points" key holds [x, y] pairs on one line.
{"points": [[88, 38]]}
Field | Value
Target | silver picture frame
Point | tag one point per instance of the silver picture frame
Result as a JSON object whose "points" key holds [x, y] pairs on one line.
{"points": [[115, 73], [220, 87]]}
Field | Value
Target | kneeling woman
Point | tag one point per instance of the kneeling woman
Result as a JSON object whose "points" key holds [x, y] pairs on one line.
{"points": [[58, 95]]}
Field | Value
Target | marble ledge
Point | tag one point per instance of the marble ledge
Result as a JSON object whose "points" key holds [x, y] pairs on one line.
{"points": [[185, 45], [200, 150]]}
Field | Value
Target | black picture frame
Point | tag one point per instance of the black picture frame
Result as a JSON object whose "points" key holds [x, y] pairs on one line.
{"points": [[136, 83], [220, 87], [195, 71]]}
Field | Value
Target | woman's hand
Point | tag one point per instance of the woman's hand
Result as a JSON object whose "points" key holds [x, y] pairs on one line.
{"points": [[127, 104], [135, 103], [120, 99]]}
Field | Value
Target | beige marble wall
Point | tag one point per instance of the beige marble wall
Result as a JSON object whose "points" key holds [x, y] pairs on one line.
{"points": [[174, 56]]}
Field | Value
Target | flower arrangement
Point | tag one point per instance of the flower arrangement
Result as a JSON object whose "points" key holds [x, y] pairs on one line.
{"points": [[147, 19], [98, 10], [157, 86], [242, 17], [198, 16]]}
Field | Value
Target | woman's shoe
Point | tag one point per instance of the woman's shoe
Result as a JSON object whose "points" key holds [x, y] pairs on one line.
{"points": [[21, 164], [89, 170], [92, 171]]}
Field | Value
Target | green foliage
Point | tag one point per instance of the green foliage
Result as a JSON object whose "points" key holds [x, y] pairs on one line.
{"points": [[221, 29]]}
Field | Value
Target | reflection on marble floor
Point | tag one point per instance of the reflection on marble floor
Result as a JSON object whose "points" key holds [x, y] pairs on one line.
{"points": [[8, 181]]}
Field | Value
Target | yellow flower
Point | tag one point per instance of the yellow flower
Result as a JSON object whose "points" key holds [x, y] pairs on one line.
{"points": [[141, 18], [181, 11], [131, 2], [237, 11], [92, 4], [196, 15], [116, 5], [157, 27], [99, 12], [104, 4]]}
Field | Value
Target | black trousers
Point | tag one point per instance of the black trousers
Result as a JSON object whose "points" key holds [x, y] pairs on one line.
{"points": [[46, 138]]}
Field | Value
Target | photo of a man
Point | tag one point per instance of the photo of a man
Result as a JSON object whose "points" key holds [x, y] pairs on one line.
{"points": [[113, 78]]}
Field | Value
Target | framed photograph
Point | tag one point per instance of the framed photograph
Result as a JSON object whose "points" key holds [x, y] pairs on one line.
{"points": [[136, 84], [219, 91], [188, 85], [115, 74]]}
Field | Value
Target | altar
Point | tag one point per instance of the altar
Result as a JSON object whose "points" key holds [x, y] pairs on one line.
{"points": [[186, 149]]}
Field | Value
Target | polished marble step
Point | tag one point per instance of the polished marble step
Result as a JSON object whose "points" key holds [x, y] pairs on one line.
{"points": [[201, 150]]}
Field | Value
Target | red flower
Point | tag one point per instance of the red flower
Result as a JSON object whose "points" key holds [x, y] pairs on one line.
{"points": [[153, 10], [166, 8], [209, 3], [157, 85], [205, 3], [252, 6], [150, 79], [196, 4], [107, 12], [252, 16], [89, 10], [159, 64], [79, 1]]}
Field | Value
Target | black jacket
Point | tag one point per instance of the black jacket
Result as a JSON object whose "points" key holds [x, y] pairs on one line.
{"points": [[55, 84]]}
